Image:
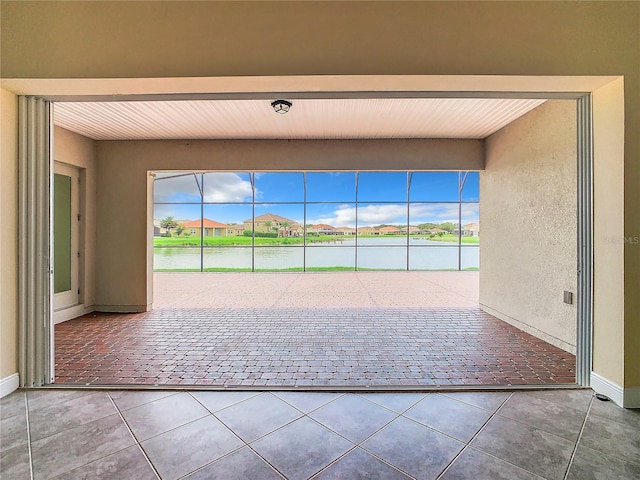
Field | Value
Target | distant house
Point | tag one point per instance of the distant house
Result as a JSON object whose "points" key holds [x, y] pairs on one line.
{"points": [[435, 231], [469, 230], [345, 231], [235, 230], [413, 230], [157, 229], [390, 230], [211, 228], [284, 227], [368, 231], [323, 229]]}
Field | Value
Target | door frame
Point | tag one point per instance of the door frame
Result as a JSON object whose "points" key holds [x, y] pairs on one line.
{"points": [[70, 298], [36, 349]]}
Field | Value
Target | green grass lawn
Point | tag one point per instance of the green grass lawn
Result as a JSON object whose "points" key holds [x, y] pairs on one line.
{"points": [[451, 238], [246, 241]]}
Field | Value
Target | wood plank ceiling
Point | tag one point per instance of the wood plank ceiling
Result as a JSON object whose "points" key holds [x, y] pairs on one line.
{"points": [[355, 118]]}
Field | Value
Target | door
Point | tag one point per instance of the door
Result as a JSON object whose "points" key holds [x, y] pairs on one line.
{"points": [[66, 237]]}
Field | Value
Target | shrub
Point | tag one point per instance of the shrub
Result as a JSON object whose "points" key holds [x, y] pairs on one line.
{"points": [[249, 233]]}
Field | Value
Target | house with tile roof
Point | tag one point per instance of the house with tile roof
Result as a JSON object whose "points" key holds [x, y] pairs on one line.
{"points": [[269, 222], [322, 229], [469, 230], [345, 230], [368, 231], [391, 230], [209, 228]]}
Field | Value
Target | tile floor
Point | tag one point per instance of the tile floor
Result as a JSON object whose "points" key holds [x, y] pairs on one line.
{"points": [[308, 329], [197, 435]]}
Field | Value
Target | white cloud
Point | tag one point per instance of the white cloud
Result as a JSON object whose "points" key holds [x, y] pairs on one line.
{"points": [[367, 215], [218, 187], [397, 214], [226, 187]]}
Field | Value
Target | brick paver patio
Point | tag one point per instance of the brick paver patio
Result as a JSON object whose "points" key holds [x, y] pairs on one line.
{"points": [[307, 330]]}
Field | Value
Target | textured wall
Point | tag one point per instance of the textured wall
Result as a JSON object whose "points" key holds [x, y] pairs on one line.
{"points": [[79, 151], [124, 283], [8, 234], [528, 223]]}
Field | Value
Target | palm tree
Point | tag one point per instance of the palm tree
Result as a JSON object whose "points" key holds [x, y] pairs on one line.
{"points": [[168, 224]]}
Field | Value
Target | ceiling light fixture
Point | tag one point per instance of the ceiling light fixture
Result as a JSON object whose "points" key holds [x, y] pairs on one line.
{"points": [[281, 106]]}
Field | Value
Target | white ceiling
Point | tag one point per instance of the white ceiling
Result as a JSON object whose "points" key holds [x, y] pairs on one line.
{"points": [[351, 118]]}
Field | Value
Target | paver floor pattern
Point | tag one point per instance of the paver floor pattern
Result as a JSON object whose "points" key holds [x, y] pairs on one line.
{"points": [[196, 435], [302, 330]]}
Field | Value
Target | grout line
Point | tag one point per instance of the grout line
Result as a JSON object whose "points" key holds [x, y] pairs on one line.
{"points": [[575, 446], [135, 439], [26, 412], [468, 444]]}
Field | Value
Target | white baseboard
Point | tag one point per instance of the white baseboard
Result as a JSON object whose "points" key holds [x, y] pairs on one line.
{"points": [[76, 311], [624, 397], [9, 384]]}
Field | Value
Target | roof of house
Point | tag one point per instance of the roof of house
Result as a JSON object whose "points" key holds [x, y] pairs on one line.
{"points": [[205, 222], [470, 226], [323, 226], [270, 217], [390, 228]]}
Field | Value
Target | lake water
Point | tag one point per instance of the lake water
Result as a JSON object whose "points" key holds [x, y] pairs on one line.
{"points": [[386, 253]]}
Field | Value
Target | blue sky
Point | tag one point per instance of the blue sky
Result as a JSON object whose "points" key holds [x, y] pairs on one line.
{"points": [[382, 196]]}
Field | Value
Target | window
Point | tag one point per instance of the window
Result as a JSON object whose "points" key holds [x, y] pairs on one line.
{"points": [[296, 221]]}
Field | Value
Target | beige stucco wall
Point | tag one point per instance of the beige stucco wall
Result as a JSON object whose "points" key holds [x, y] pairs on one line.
{"points": [[528, 218], [611, 342], [79, 151], [124, 283], [557, 41], [8, 234]]}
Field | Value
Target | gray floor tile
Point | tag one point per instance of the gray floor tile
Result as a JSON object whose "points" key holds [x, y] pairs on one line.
{"points": [[590, 464], [476, 465], [189, 447], [14, 464], [73, 448], [257, 416], [55, 418], [558, 418], [161, 415], [359, 465], [613, 438], [129, 463], [577, 398], [398, 402], [613, 412], [353, 417], [44, 398], [13, 404], [488, 400], [127, 399], [214, 401], [413, 448], [13, 432], [307, 401], [242, 464], [534, 450], [301, 449], [460, 420]]}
